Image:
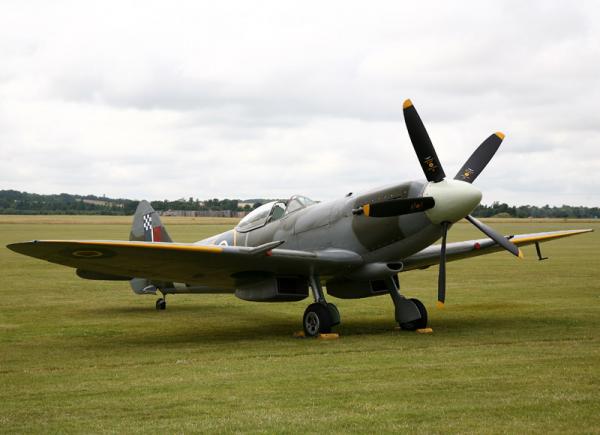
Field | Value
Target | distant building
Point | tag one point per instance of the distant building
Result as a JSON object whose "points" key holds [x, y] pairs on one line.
{"points": [[102, 203], [203, 213]]}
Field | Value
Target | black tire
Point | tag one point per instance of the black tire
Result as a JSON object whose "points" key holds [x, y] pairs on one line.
{"points": [[335, 314], [317, 320], [161, 304], [419, 323]]}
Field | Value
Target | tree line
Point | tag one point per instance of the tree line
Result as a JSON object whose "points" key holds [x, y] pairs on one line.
{"points": [[15, 202], [498, 209]]}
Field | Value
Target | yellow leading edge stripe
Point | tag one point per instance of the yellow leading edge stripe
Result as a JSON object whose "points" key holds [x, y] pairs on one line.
{"points": [[519, 241], [144, 245]]}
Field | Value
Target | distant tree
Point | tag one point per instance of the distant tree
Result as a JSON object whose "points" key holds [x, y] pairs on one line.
{"points": [[15, 202]]}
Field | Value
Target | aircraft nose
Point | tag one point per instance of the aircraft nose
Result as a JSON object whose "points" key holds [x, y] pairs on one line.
{"points": [[454, 200]]}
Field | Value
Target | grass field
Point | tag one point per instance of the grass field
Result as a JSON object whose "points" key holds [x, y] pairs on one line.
{"points": [[517, 348]]}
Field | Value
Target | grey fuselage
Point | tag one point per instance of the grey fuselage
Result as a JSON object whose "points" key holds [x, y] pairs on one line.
{"points": [[332, 225]]}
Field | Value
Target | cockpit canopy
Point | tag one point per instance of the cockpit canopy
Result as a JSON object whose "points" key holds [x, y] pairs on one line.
{"points": [[272, 211], [298, 202]]}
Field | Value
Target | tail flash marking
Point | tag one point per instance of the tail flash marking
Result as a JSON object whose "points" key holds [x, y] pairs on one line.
{"points": [[156, 234]]}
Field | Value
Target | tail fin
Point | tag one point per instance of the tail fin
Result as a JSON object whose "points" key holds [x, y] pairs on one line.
{"points": [[147, 225]]}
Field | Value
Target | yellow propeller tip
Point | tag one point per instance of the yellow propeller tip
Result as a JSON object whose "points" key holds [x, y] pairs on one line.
{"points": [[500, 135], [439, 304], [366, 209], [407, 103], [521, 255]]}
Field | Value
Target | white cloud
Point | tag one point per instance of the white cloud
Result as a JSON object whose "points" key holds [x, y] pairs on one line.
{"points": [[238, 99]]}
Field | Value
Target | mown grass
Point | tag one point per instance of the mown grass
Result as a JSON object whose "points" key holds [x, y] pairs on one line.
{"points": [[516, 349]]}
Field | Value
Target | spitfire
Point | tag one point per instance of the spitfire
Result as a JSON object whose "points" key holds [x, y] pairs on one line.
{"points": [[355, 246]]}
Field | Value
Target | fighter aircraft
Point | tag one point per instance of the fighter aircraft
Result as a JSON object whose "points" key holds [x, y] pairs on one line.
{"points": [[355, 245]]}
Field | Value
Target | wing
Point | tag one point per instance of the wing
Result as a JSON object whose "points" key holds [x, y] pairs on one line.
{"points": [[215, 266], [473, 248]]}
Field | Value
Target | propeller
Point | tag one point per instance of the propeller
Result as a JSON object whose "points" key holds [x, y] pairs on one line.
{"points": [[432, 167], [480, 158], [395, 207], [496, 237], [442, 274], [454, 200]]}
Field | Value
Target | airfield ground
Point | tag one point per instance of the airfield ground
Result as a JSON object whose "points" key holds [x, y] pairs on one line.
{"points": [[517, 348]]}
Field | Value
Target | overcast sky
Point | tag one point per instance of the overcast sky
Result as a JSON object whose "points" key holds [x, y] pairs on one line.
{"points": [[265, 99]]}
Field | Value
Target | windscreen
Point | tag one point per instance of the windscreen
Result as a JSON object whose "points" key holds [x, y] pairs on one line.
{"points": [[256, 218]]}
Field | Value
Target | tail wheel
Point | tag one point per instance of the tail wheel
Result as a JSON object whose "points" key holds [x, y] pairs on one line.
{"points": [[413, 325], [161, 304]]}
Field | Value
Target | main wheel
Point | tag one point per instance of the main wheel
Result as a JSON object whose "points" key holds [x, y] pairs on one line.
{"points": [[413, 325], [161, 304], [317, 320], [335, 314]]}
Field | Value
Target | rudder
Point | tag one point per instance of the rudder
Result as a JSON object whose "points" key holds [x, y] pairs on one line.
{"points": [[147, 226]]}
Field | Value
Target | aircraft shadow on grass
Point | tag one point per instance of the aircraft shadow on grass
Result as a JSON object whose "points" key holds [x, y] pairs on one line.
{"points": [[241, 326]]}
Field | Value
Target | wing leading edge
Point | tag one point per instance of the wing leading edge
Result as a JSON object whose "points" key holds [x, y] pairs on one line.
{"points": [[472, 248]]}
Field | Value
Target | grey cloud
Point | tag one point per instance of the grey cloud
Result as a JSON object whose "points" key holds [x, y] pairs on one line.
{"points": [[267, 101]]}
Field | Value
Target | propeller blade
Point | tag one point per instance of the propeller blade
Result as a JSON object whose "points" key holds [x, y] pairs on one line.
{"points": [[498, 238], [442, 273], [480, 158], [430, 163], [395, 207]]}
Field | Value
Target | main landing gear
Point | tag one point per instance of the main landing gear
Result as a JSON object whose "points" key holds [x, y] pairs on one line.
{"points": [[410, 313], [320, 316]]}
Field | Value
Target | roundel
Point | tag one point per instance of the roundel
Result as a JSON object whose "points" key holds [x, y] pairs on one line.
{"points": [[88, 254]]}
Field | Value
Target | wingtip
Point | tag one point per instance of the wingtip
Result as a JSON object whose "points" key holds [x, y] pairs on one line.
{"points": [[407, 103], [500, 135], [15, 246]]}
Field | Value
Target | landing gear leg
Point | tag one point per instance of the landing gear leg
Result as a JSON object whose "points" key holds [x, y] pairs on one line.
{"points": [[161, 303], [410, 313], [320, 316]]}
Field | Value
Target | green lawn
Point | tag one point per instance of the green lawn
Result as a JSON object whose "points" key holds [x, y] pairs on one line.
{"points": [[515, 350]]}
